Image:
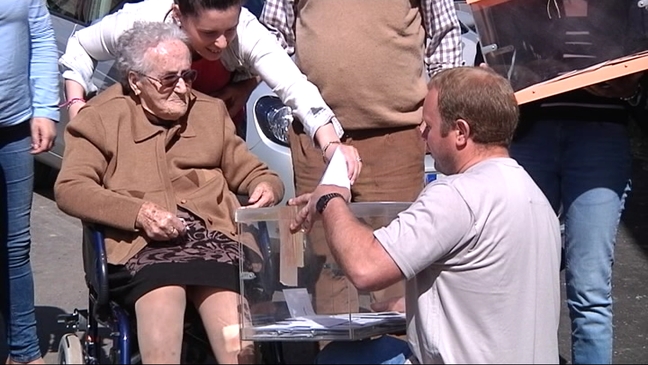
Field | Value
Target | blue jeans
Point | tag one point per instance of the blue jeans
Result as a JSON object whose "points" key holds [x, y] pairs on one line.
{"points": [[16, 280], [584, 170], [382, 350]]}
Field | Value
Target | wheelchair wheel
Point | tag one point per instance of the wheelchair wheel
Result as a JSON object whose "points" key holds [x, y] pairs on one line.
{"points": [[70, 350]]}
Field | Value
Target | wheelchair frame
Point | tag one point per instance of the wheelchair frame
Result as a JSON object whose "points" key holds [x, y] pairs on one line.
{"points": [[105, 312], [101, 310]]}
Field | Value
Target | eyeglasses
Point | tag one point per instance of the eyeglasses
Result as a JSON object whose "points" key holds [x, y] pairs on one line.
{"points": [[170, 80]]}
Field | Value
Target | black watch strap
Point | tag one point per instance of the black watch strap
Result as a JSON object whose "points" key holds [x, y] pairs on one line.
{"points": [[323, 201]]}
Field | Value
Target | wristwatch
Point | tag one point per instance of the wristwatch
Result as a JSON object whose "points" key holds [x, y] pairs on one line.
{"points": [[323, 201]]}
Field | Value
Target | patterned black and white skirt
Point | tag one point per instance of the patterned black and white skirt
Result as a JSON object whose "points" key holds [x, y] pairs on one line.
{"points": [[199, 258]]}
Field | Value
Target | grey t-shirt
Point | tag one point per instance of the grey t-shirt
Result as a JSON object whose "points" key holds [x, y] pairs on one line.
{"points": [[481, 252]]}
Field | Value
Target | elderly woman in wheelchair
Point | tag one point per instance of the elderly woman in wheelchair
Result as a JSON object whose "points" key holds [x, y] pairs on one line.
{"points": [[159, 166]]}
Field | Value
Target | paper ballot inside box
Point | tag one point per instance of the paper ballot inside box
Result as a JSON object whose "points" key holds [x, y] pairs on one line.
{"points": [[334, 322]]}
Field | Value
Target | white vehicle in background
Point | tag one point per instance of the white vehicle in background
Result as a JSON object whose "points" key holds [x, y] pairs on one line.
{"points": [[267, 119]]}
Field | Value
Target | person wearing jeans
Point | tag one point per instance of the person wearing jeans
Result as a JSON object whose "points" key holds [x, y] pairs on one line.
{"points": [[380, 350], [576, 148], [29, 96]]}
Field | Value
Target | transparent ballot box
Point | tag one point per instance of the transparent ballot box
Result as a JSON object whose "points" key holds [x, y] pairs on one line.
{"points": [[546, 47], [294, 290]]}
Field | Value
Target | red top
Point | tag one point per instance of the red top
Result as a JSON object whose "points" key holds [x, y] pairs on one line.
{"points": [[212, 77]]}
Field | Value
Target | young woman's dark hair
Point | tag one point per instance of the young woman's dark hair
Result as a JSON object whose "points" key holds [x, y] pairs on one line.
{"points": [[194, 7]]}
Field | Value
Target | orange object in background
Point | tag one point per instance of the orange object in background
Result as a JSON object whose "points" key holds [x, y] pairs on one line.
{"points": [[547, 47]]}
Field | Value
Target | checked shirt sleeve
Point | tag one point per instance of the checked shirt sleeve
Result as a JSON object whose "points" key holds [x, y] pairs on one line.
{"points": [[443, 35], [279, 17]]}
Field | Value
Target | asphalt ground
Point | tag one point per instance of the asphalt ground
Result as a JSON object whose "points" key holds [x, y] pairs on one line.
{"points": [[60, 288]]}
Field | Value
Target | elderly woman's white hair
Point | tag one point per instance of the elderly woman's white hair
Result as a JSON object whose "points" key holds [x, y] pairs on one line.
{"points": [[132, 46]]}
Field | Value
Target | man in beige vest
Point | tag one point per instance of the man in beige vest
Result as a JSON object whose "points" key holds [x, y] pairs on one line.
{"points": [[369, 59]]}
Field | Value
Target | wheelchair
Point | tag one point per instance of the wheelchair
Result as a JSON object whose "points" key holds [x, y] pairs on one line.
{"points": [[85, 345]]}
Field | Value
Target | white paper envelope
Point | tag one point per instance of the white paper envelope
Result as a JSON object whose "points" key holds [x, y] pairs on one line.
{"points": [[336, 172]]}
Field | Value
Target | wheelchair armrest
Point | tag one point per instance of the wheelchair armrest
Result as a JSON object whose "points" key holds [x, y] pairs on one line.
{"points": [[95, 262]]}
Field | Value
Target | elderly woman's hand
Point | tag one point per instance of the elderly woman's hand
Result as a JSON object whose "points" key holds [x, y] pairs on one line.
{"points": [[158, 223], [262, 196]]}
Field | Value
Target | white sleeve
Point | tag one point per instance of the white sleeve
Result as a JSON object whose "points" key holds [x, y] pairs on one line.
{"points": [[97, 42], [436, 225], [261, 50]]}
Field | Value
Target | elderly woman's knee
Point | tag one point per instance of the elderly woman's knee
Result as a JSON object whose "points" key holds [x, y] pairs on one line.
{"points": [[167, 301]]}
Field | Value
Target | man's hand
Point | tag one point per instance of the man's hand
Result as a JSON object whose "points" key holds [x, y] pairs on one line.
{"points": [[158, 223], [396, 304], [307, 214], [235, 95], [622, 87], [262, 196], [351, 156], [43, 135]]}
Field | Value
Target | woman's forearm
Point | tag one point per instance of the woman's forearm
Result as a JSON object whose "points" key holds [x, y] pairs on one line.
{"points": [[73, 90], [325, 135], [43, 72], [74, 97]]}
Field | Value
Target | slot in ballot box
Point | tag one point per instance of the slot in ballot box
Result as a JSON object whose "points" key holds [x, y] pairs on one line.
{"points": [[278, 282], [547, 47]]}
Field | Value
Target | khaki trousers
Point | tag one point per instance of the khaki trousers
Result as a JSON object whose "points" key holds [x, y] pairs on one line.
{"points": [[392, 170]]}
